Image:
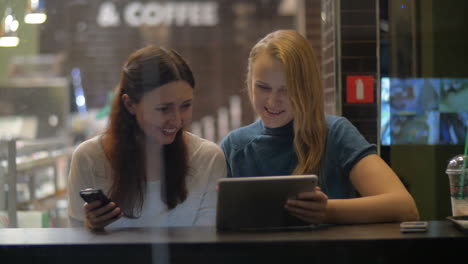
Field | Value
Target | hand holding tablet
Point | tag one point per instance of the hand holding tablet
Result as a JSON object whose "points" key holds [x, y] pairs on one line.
{"points": [[309, 206]]}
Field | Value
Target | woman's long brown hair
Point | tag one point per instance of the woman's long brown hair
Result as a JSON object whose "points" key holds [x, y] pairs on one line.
{"points": [[145, 70]]}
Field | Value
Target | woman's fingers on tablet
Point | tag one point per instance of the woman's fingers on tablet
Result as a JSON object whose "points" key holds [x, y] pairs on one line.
{"points": [[316, 195], [307, 216], [305, 219], [307, 205], [299, 211], [316, 200]]}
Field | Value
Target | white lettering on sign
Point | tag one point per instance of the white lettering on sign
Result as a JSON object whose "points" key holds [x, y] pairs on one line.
{"points": [[154, 13], [108, 15], [132, 14]]}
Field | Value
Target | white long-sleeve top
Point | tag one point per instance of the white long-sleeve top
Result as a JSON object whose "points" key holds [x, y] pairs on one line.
{"points": [[91, 169]]}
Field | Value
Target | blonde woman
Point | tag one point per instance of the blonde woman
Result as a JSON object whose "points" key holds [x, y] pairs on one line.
{"points": [[295, 136]]}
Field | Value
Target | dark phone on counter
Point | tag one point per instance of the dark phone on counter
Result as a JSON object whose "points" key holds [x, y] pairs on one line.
{"points": [[90, 195]]}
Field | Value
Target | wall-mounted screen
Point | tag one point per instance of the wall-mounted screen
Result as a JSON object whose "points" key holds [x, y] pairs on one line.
{"points": [[424, 110]]}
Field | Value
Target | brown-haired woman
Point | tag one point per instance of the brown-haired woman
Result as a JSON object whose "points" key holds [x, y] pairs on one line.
{"points": [[154, 172]]}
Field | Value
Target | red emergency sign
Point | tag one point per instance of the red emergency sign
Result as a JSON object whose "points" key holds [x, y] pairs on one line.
{"points": [[360, 89]]}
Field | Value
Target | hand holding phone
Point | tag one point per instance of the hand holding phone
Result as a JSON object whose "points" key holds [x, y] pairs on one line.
{"points": [[99, 216], [89, 195]]}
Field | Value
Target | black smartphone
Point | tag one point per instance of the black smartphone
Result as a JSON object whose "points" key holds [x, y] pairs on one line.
{"points": [[90, 195]]}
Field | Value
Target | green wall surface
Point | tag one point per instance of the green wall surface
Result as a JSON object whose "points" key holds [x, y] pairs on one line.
{"points": [[28, 34], [450, 38], [442, 46], [443, 33], [422, 169]]}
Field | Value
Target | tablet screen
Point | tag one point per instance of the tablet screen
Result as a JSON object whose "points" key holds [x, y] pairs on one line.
{"points": [[258, 202]]}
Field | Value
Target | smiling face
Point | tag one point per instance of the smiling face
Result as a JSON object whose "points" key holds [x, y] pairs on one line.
{"points": [[269, 91], [162, 112]]}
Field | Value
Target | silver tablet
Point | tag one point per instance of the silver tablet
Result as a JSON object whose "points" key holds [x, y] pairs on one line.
{"points": [[248, 203]]}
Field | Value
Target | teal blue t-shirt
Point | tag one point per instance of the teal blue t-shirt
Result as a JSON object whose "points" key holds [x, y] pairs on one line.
{"points": [[256, 150]]}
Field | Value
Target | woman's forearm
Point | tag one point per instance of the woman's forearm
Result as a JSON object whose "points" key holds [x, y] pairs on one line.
{"points": [[372, 209]]}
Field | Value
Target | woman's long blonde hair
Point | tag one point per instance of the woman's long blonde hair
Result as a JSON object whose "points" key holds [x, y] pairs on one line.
{"points": [[304, 91]]}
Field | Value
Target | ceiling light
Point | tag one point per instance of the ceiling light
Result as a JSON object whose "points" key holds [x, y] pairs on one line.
{"points": [[35, 12], [8, 27]]}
